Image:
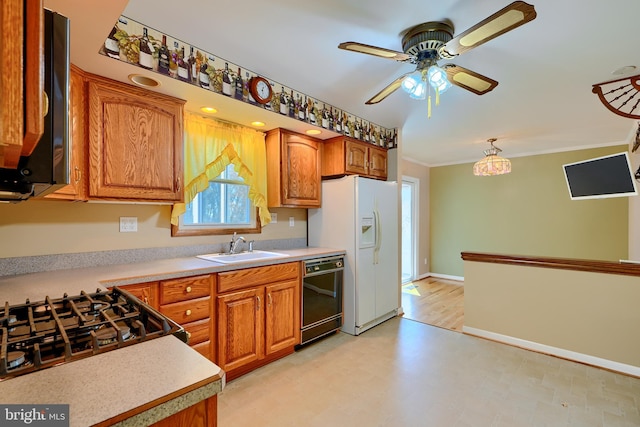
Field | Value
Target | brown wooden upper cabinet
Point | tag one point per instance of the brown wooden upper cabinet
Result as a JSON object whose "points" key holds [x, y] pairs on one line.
{"points": [[343, 155], [22, 100], [293, 170], [127, 142]]}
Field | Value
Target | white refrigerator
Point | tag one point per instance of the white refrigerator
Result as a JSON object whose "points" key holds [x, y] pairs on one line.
{"points": [[360, 215]]}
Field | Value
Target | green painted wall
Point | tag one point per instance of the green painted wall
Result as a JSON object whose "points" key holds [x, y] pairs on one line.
{"points": [[526, 212]]}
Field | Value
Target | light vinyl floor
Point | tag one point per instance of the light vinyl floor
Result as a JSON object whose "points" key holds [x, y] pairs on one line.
{"points": [[406, 373]]}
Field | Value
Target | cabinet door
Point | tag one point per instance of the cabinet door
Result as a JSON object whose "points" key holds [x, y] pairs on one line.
{"points": [[22, 82], [293, 169], [356, 157], [282, 316], [77, 188], [240, 325], [301, 180], [378, 162], [135, 143]]}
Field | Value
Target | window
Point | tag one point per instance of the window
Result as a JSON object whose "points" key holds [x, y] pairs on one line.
{"points": [[222, 208]]}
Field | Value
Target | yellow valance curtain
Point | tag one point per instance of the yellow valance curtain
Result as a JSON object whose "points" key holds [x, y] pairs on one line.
{"points": [[211, 145]]}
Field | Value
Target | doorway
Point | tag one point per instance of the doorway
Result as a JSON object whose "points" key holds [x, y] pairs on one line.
{"points": [[409, 228]]}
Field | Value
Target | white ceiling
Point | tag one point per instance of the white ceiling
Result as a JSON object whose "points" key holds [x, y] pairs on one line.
{"points": [[545, 69]]}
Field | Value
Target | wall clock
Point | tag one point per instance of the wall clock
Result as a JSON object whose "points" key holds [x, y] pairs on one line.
{"points": [[260, 90]]}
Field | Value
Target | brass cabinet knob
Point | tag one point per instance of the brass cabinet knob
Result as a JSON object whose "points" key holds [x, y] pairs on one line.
{"points": [[188, 289], [188, 312]]}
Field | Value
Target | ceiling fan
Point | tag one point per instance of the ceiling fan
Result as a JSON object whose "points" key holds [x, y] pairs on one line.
{"points": [[425, 44]]}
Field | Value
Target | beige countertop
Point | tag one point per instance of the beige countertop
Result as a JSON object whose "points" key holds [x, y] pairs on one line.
{"points": [[37, 286], [101, 387], [148, 373]]}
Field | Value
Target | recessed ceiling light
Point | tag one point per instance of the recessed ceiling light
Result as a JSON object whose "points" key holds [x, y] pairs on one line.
{"points": [[144, 81], [208, 110], [624, 70], [313, 132], [258, 124]]}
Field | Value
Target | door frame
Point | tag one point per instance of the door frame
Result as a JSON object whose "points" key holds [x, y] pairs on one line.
{"points": [[415, 224]]}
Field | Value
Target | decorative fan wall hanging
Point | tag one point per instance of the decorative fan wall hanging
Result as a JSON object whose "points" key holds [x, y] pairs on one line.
{"points": [[621, 96], [426, 44]]}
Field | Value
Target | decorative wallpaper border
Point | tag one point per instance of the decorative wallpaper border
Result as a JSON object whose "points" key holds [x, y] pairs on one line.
{"points": [[137, 44]]}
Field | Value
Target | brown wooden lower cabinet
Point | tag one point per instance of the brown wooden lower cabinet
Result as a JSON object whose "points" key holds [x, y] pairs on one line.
{"points": [[259, 324], [202, 414]]}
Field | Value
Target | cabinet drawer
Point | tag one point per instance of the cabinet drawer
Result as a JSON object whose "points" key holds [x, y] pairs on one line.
{"points": [[200, 331], [186, 288], [188, 311], [250, 277]]}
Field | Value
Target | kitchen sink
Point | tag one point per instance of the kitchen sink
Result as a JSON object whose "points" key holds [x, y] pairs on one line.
{"points": [[226, 258]]}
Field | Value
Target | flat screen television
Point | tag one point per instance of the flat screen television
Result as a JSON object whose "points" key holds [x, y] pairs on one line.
{"points": [[607, 176]]}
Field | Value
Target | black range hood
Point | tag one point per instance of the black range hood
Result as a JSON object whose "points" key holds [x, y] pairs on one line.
{"points": [[47, 168]]}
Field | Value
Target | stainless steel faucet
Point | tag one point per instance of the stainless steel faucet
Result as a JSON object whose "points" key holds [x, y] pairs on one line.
{"points": [[234, 243]]}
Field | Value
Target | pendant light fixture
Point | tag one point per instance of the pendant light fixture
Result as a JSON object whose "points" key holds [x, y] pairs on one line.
{"points": [[492, 164]]}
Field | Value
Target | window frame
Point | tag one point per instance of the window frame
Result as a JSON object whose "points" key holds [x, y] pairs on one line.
{"points": [[208, 229]]}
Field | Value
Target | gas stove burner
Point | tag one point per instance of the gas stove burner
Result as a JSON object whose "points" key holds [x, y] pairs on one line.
{"points": [[69, 322], [15, 359], [11, 319], [42, 334], [46, 326], [19, 331], [110, 335], [91, 307], [45, 310]]}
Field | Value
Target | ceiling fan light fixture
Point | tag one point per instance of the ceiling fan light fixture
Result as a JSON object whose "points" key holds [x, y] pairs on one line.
{"points": [[412, 81], [438, 78], [492, 164], [420, 91]]}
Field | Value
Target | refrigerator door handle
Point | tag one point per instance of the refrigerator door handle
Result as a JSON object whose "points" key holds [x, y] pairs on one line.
{"points": [[378, 237]]}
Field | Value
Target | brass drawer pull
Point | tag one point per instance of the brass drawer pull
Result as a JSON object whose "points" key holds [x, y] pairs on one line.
{"points": [[188, 289], [187, 313]]}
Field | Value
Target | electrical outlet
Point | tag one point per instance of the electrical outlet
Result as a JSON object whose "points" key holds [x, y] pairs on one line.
{"points": [[292, 221], [274, 218], [128, 224]]}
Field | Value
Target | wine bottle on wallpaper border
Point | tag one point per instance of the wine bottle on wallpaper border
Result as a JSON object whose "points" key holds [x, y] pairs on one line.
{"points": [[193, 66], [203, 76], [284, 108], [112, 45], [302, 108], [239, 85], [146, 54], [183, 67], [226, 80], [331, 119], [163, 57], [292, 105], [325, 117], [339, 123], [173, 60], [245, 87]]}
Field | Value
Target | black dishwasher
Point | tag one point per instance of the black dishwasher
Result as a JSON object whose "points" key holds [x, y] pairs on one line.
{"points": [[321, 297]]}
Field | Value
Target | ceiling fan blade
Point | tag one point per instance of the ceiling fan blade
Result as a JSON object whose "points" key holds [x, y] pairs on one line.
{"points": [[391, 87], [376, 51], [470, 80], [514, 15]]}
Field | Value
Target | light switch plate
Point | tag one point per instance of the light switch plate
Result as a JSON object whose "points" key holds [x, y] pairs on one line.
{"points": [[292, 221], [128, 224], [274, 218]]}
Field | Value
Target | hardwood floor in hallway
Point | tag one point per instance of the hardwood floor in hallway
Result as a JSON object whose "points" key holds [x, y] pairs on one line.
{"points": [[434, 301]]}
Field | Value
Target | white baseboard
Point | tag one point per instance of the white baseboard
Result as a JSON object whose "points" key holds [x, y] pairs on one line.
{"points": [[554, 351], [446, 276], [440, 276]]}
